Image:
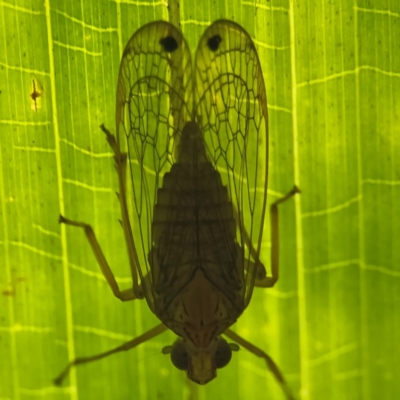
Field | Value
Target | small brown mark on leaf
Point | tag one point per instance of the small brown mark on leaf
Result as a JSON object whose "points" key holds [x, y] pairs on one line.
{"points": [[36, 94]]}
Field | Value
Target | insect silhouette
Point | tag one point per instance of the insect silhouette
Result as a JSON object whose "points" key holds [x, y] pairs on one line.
{"points": [[194, 140]]}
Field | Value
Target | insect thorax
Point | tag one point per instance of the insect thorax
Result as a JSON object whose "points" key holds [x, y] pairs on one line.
{"points": [[197, 267]]}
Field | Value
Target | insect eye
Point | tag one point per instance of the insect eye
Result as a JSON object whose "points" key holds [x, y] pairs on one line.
{"points": [[214, 42], [169, 44], [179, 356], [223, 354]]}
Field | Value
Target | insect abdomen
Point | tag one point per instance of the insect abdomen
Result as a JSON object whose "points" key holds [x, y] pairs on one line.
{"points": [[193, 218]]}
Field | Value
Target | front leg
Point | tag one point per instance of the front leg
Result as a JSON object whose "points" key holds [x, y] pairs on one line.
{"points": [[272, 366]]}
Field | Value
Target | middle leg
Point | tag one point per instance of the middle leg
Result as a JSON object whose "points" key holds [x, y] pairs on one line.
{"points": [[120, 160]]}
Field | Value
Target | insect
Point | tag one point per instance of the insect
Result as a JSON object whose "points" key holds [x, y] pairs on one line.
{"points": [[194, 140]]}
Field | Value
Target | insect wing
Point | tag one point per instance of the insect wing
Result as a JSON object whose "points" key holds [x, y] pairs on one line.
{"points": [[152, 106], [231, 109]]}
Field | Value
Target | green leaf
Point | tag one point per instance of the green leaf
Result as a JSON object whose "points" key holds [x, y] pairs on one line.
{"points": [[332, 73]]}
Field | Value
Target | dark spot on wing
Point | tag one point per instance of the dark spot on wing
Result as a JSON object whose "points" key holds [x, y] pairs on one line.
{"points": [[169, 44], [214, 42]]}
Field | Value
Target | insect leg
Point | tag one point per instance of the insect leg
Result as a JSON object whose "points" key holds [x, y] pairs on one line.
{"points": [[124, 295], [270, 281], [120, 165], [124, 347], [262, 354]]}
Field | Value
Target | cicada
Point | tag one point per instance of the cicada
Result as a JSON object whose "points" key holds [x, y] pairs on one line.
{"points": [[191, 153]]}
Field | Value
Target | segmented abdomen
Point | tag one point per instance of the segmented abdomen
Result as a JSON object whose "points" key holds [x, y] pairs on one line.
{"points": [[193, 224]]}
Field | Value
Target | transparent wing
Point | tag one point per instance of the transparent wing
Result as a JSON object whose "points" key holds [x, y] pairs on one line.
{"points": [[231, 108], [152, 106]]}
